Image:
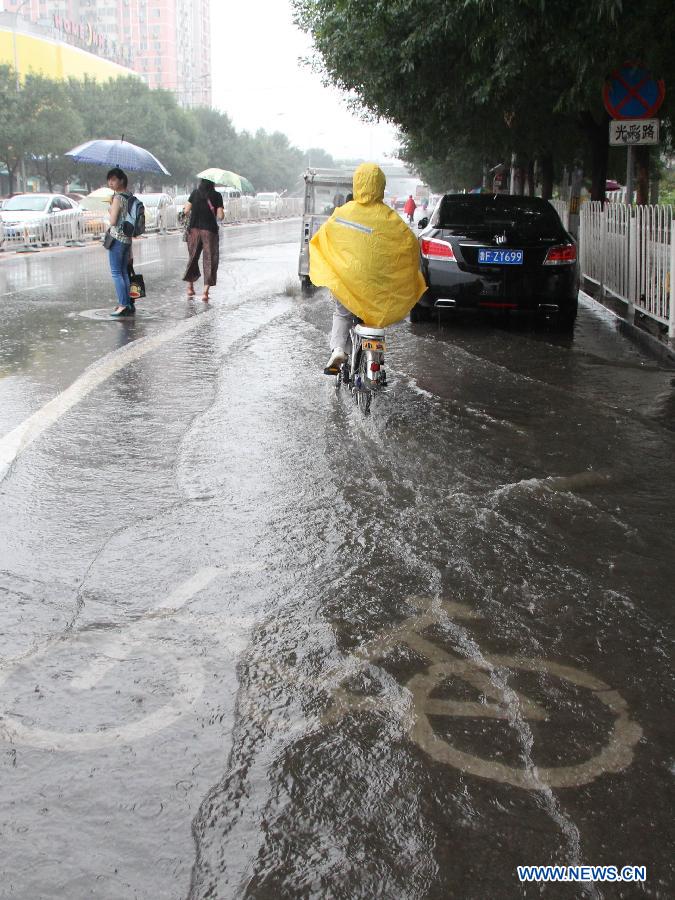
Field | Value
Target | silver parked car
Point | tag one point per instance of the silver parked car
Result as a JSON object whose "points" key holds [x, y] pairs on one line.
{"points": [[270, 203], [159, 211], [41, 219]]}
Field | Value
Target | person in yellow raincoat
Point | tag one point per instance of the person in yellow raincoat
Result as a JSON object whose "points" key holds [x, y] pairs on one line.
{"points": [[369, 259]]}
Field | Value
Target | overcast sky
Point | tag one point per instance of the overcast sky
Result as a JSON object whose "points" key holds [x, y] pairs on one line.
{"points": [[259, 82]]}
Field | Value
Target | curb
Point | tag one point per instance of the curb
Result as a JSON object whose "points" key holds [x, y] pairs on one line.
{"points": [[647, 342]]}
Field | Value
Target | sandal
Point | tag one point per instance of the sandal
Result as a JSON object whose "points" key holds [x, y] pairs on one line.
{"points": [[123, 312], [205, 296], [190, 291]]}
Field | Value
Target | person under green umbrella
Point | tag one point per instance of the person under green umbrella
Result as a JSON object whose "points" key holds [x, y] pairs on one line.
{"points": [[222, 176], [205, 209]]}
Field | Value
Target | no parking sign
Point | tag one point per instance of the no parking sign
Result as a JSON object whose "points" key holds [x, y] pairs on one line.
{"points": [[631, 92]]}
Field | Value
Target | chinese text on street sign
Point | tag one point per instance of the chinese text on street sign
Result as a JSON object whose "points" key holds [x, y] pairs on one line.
{"points": [[643, 132]]}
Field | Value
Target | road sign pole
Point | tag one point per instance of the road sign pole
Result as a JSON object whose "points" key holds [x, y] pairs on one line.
{"points": [[631, 234], [630, 165]]}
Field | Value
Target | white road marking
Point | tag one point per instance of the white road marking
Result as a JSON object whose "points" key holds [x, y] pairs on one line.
{"points": [[189, 681], [16, 441], [23, 290], [120, 648], [496, 703]]}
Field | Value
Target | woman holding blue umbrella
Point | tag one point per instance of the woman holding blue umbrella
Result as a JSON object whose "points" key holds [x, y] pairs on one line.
{"points": [[135, 159], [119, 252]]}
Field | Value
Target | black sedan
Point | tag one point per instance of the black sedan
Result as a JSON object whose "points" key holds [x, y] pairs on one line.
{"points": [[497, 252]]}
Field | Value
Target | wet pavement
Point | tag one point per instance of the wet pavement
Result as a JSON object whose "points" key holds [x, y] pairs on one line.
{"points": [[256, 644]]}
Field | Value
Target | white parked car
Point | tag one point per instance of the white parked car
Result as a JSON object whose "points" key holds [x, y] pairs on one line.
{"points": [[269, 203], [41, 219], [160, 212], [179, 201], [229, 193]]}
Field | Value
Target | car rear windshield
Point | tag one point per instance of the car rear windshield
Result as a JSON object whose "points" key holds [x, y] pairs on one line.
{"points": [[538, 219]]}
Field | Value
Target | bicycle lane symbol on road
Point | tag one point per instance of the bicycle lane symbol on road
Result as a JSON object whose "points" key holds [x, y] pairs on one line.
{"points": [[477, 673], [134, 640]]}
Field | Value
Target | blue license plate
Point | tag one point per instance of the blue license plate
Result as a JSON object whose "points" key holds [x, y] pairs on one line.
{"points": [[500, 257]]}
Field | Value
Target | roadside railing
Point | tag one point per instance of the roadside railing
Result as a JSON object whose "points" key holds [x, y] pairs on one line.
{"points": [[563, 210], [86, 226], [629, 252], [246, 209], [42, 231]]}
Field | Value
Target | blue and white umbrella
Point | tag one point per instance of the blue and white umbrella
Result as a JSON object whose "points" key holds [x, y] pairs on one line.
{"points": [[117, 153]]}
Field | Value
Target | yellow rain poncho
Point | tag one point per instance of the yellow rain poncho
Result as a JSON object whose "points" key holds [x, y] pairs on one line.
{"points": [[367, 256]]}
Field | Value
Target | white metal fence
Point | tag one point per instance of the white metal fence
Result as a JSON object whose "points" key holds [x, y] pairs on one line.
{"points": [[562, 208], [629, 251], [82, 226]]}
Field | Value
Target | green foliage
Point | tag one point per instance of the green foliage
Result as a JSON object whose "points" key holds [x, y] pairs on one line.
{"points": [[667, 187], [469, 82], [55, 125], [43, 119], [12, 132]]}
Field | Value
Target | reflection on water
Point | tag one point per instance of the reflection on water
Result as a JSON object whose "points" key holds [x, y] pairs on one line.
{"points": [[483, 564], [489, 479]]}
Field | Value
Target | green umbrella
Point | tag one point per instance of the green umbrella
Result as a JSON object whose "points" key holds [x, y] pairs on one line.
{"points": [[246, 185], [221, 176]]}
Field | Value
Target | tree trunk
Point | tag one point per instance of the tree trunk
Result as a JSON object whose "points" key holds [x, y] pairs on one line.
{"points": [[642, 180], [529, 178], [597, 134], [654, 185], [546, 175], [517, 177], [48, 175]]}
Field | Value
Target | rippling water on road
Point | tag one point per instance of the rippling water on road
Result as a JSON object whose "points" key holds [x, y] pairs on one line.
{"points": [[257, 644], [464, 645]]}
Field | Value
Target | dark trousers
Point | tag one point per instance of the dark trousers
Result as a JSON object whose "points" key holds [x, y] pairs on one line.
{"points": [[199, 239]]}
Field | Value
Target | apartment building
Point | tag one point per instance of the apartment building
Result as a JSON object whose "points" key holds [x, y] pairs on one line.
{"points": [[167, 42]]}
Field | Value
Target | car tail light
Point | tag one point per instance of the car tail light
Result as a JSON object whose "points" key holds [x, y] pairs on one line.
{"points": [[432, 249], [561, 255]]}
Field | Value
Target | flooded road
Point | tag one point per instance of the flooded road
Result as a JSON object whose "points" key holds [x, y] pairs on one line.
{"points": [[256, 644]]}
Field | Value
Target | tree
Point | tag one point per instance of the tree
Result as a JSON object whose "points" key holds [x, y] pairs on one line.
{"points": [[11, 124], [56, 127], [318, 159], [44, 118], [474, 81]]}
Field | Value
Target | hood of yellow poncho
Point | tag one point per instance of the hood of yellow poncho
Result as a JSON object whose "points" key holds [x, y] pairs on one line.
{"points": [[369, 184]]}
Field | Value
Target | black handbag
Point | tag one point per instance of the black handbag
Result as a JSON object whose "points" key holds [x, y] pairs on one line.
{"points": [[136, 284], [108, 240]]}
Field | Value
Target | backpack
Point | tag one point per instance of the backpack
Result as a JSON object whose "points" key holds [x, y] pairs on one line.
{"points": [[133, 224]]}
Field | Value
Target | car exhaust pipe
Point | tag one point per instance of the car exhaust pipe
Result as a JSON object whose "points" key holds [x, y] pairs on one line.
{"points": [[443, 303], [549, 307]]}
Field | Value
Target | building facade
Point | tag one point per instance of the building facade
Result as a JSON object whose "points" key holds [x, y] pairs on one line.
{"points": [[166, 42]]}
